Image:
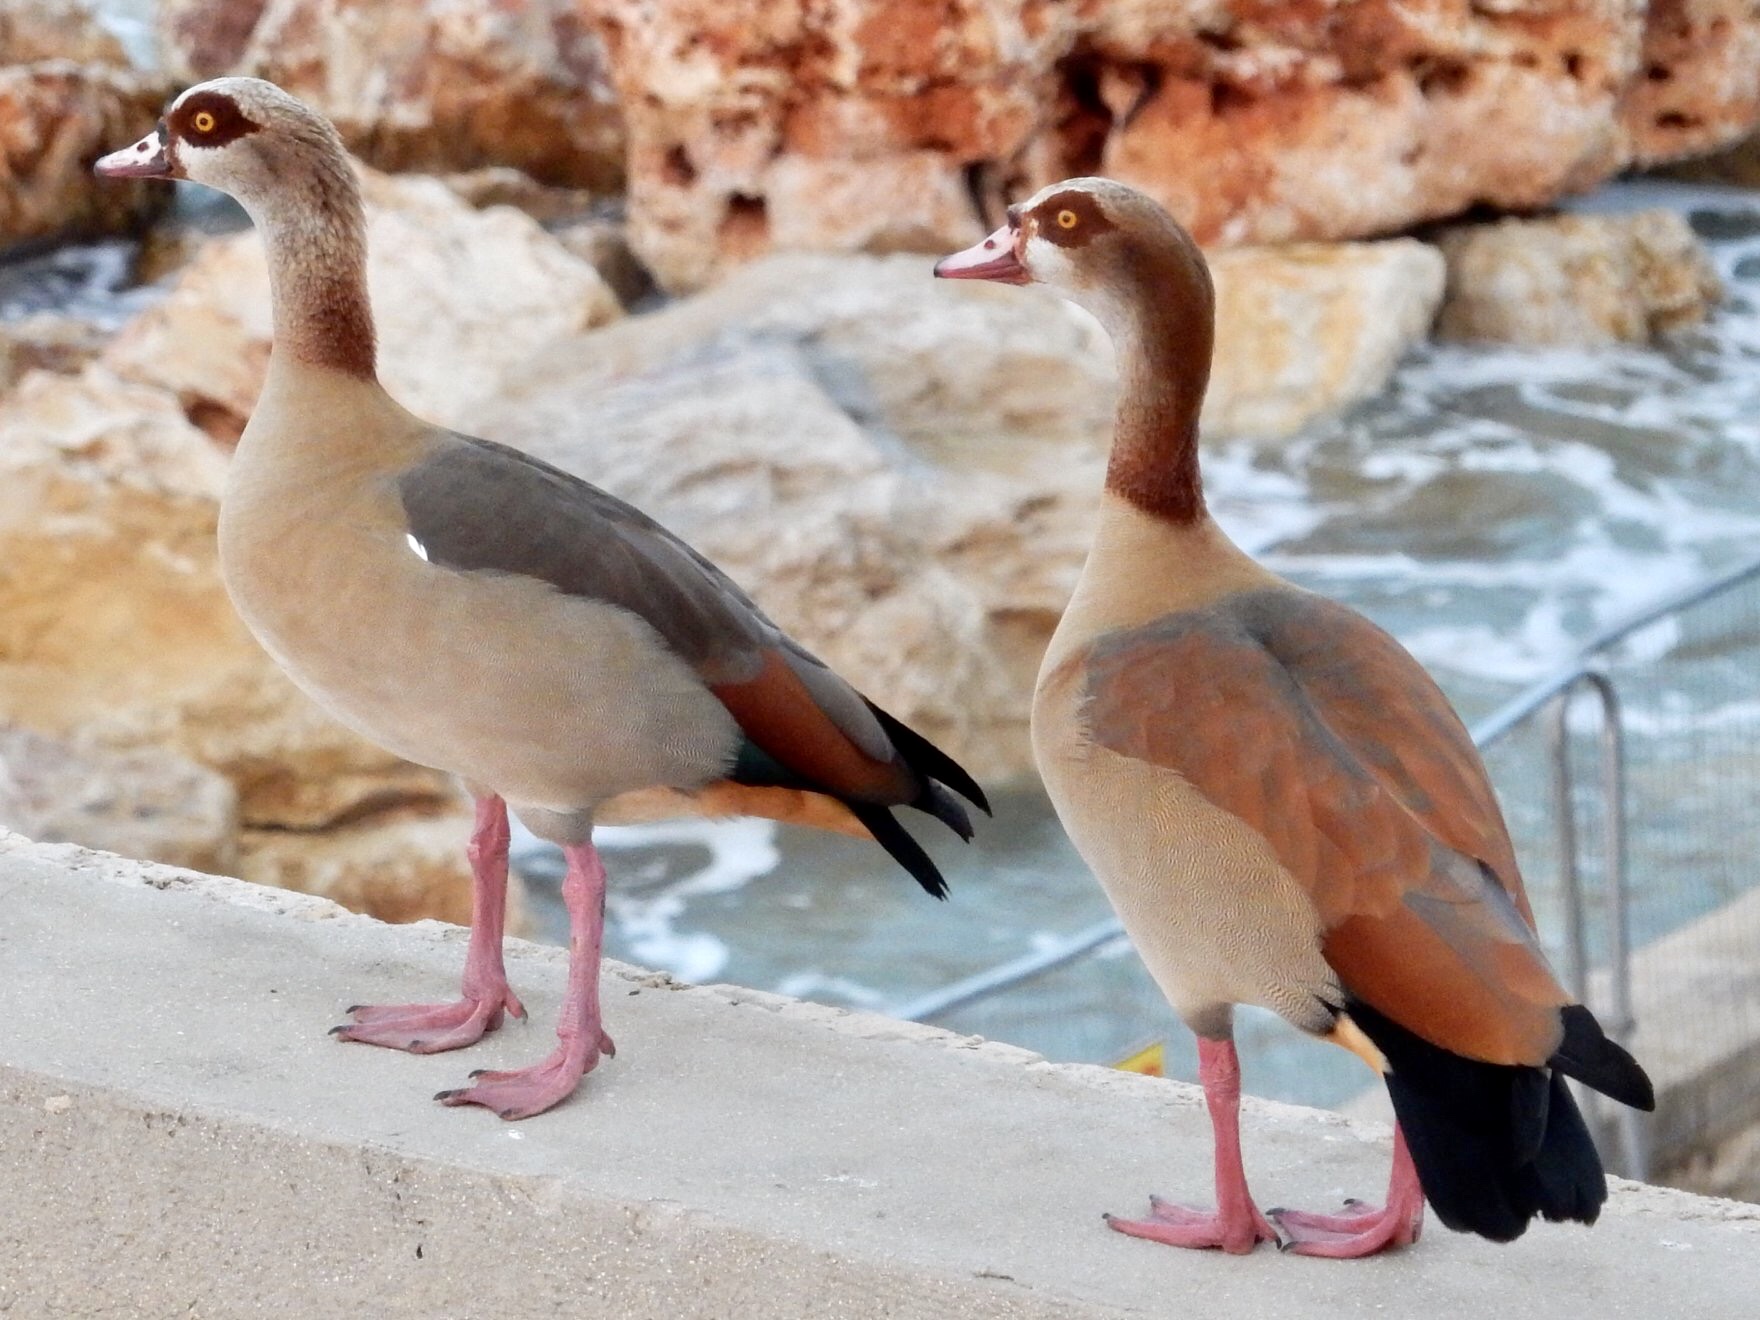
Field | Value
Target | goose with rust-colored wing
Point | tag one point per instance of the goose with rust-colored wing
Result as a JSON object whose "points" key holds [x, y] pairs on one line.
{"points": [[1281, 804], [478, 611]]}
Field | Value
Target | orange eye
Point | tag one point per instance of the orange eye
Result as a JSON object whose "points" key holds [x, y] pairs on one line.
{"points": [[202, 121], [1068, 220]]}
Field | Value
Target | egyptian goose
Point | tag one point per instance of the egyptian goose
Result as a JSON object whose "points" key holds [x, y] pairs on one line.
{"points": [[1282, 806], [475, 610]]}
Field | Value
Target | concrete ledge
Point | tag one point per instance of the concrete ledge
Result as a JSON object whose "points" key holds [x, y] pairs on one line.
{"points": [[180, 1137]]}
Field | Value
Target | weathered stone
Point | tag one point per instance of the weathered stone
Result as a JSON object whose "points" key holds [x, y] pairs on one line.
{"points": [[46, 341], [604, 244], [1731, 1169], [149, 804], [502, 185], [1308, 329], [458, 294], [1696, 89], [420, 86], [166, 249], [56, 118], [113, 621], [758, 124], [1576, 279], [202, 39], [871, 455], [905, 473], [398, 866], [33, 30], [884, 123]]}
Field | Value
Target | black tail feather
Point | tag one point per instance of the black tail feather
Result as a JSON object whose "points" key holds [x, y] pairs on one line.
{"points": [[930, 761], [939, 803], [1494, 1145], [906, 851], [756, 767], [1597, 1062]]}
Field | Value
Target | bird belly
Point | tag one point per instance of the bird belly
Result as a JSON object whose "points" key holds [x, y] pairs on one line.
{"points": [[1215, 917], [555, 702]]}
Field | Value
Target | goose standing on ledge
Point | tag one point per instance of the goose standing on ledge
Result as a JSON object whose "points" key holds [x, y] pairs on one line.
{"points": [[1281, 804], [474, 610]]}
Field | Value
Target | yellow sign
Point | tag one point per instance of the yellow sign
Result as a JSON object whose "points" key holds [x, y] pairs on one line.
{"points": [[1151, 1060]]}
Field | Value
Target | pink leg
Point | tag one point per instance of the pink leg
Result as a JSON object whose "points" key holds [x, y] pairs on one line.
{"points": [[1235, 1225], [581, 1040], [1365, 1230], [431, 1028]]}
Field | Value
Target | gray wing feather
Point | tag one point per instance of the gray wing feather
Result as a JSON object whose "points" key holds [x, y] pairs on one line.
{"points": [[479, 506]]}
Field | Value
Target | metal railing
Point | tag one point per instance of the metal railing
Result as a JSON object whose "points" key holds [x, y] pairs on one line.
{"points": [[1548, 704]]}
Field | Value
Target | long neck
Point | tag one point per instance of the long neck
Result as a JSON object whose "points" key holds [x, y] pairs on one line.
{"points": [[315, 234], [1163, 339]]}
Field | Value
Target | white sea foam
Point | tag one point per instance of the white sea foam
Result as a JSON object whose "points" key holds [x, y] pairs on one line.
{"points": [[647, 921]]}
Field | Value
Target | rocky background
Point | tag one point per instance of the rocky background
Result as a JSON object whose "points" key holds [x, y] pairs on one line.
{"points": [[902, 471], [681, 249]]}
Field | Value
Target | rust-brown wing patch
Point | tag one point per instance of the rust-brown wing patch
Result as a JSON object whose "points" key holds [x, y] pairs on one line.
{"points": [[1312, 726], [780, 715]]}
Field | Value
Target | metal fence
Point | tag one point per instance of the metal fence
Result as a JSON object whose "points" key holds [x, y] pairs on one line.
{"points": [[1629, 778]]}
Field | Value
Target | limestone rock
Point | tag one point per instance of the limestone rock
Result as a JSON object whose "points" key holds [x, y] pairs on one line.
{"points": [[901, 474], [1731, 1169], [114, 624], [56, 118], [149, 804], [774, 124], [603, 242], [1696, 88], [33, 30], [397, 866], [502, 185], [1576, 279], [1738, 166], [415, 85], [202, 39], [46, 341], [1308, 329], [458, 294], [856, 124], [904, 473]]}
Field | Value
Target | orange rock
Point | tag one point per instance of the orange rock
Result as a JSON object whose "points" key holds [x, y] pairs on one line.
{"points": [[418, 86], [763, 124], [56, 117], [877, 124]]}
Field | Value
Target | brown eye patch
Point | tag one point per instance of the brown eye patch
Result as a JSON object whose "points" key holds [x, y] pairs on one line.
{"points": [[1070, 219], [211, 119]]}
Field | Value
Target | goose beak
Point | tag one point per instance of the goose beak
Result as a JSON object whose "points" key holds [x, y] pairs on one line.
{"points": [[995, 259], [146, 159]]}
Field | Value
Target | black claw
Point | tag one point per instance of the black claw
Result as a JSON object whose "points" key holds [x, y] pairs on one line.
{"points": [[1352, 1200], [354, 1008], [416, 1044], [1275, 1211], [506, 1114], [447, 1095], [478, 1072], [337, 1031]]}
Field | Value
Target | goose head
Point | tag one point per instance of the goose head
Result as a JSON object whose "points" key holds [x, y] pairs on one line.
{"points": [[242, 136], [1102, 244]]}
